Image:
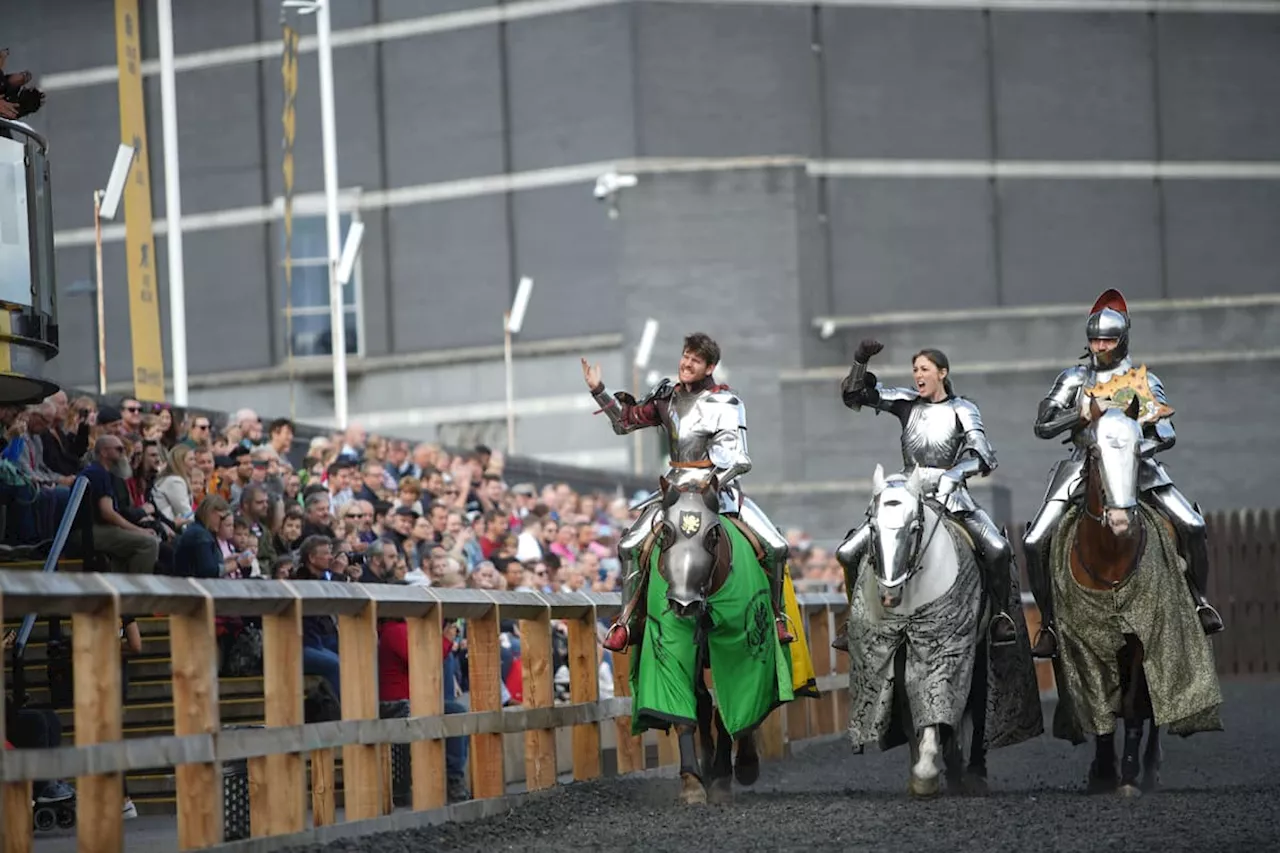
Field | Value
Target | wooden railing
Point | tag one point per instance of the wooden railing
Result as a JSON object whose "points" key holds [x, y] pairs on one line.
{"points": [[276, 754]]}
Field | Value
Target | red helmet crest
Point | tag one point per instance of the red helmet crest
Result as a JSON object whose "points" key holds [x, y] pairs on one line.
{"points": [[1112, 299]]}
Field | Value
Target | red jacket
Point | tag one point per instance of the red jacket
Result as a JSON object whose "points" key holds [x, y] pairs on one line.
{"points": [[393, 660]]}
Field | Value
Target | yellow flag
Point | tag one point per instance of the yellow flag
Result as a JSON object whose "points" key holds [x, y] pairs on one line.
{"points": [[144, 311]]}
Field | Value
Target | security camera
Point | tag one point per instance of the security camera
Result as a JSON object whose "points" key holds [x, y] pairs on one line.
{"points": [[609, 183]]}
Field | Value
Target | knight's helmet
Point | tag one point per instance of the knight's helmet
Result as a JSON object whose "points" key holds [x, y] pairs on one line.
{"points": [[1109, 320]]}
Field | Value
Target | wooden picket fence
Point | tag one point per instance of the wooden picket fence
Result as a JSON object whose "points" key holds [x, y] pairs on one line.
{"points": [[277, 755]]}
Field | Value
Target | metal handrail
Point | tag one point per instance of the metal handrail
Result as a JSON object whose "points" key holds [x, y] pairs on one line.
{"points": [[50, 565]]}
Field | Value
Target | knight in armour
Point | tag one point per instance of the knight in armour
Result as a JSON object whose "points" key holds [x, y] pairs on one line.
{"points": [[706, 429], [943, 439], [1062, 411]]}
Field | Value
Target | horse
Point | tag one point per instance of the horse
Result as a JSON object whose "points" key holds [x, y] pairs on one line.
{"points": [[915, 563], [1104, 554], [695, 560]]}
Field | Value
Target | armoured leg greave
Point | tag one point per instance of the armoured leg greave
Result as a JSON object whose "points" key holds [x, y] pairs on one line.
{"points": [[631, 620], [775, 548], [1034, 546], [849, 556], [995, 557], [1193, 540]]}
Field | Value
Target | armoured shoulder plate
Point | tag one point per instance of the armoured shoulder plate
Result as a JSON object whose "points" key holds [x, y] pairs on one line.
{"points": [[976, 440], [898, 395], [661, 391], [967, 413], [730, 411], [1066, 387]]}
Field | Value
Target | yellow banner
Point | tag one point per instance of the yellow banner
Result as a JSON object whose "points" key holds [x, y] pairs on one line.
{"points": [[144, 312]]}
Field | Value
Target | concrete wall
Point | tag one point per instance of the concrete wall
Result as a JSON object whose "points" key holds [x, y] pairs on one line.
{"points": [[891, 128]]}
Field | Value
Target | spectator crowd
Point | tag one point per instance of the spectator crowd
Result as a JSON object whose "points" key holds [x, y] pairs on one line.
{"points": [[200, 497]]}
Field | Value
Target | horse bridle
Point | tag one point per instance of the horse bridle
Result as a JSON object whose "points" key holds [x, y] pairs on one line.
{"points": [[919, 545]]}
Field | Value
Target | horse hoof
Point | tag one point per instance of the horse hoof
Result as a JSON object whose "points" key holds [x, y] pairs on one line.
{"points": [[1129, 792], [919, 787], [747, 769], [691, 791], [720, 792]]}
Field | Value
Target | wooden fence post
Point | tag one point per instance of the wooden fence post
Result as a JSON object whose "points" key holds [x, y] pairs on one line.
{"points": [[822, 708], [426, 699], [16, 820], [535, 658], [194, 650], [95, 643], [488, 774], [584, 686], [630, 748], [277, 783], [358, 659], [840, 697]]}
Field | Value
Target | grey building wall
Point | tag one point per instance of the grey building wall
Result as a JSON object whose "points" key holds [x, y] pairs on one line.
{"points": [[847, 222]]}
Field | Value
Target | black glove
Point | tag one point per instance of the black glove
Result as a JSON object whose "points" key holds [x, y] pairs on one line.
{"points": [[867, 348]]}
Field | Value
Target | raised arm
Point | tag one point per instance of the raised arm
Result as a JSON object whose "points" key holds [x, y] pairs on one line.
{"points": [[624, 413], [861, 388]]}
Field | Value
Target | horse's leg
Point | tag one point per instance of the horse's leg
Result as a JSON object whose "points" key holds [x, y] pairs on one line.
{"points": [[720, 779], [952, 741], [1135, 716], [1102, 772], [924, 773], [975, 778], [706, 744], [1152, 758], [691, 789], [746, 764]]}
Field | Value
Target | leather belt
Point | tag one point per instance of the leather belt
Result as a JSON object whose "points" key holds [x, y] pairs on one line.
{"points": [[705, 463]]}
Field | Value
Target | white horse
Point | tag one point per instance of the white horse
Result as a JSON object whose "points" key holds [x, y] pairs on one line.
{"points": [[915, 564]]}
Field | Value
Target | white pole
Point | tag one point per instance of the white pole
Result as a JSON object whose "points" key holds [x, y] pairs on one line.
{"points": [[173, 202], [511, 407], [98, 314], [337, 316]]}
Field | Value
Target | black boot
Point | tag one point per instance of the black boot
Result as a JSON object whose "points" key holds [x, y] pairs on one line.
{"points": [[1210, 619], [1197, 553]]}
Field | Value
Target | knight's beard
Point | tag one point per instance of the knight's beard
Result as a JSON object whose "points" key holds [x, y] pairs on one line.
{"points": [[122, 469]]}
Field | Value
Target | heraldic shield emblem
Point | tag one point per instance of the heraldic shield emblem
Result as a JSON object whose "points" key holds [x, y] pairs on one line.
{"points": [[690, 523]]}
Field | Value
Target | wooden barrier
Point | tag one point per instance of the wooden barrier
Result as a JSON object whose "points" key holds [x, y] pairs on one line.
{"points": [[275, 753]]}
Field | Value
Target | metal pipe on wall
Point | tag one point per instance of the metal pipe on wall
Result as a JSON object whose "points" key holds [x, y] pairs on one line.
{"points": [[173, 202]]}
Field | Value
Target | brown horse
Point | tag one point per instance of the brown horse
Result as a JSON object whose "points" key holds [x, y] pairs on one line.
{"points": [[1109, 543], [695, 559]]}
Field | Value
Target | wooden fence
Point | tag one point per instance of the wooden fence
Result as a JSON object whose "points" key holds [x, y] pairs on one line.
{"points": [[277, 754]]}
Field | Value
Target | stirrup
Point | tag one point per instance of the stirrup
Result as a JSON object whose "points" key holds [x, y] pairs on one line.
{"points": [[617, 638], [784, 635], [1210, 619], [1003, 630], [1046, 645]]}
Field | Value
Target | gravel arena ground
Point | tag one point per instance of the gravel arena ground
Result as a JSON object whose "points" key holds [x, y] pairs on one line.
{"points": [[1219, 792]]}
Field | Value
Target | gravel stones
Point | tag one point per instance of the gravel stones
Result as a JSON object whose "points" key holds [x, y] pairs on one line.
{"points": [[1218, 792]]}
